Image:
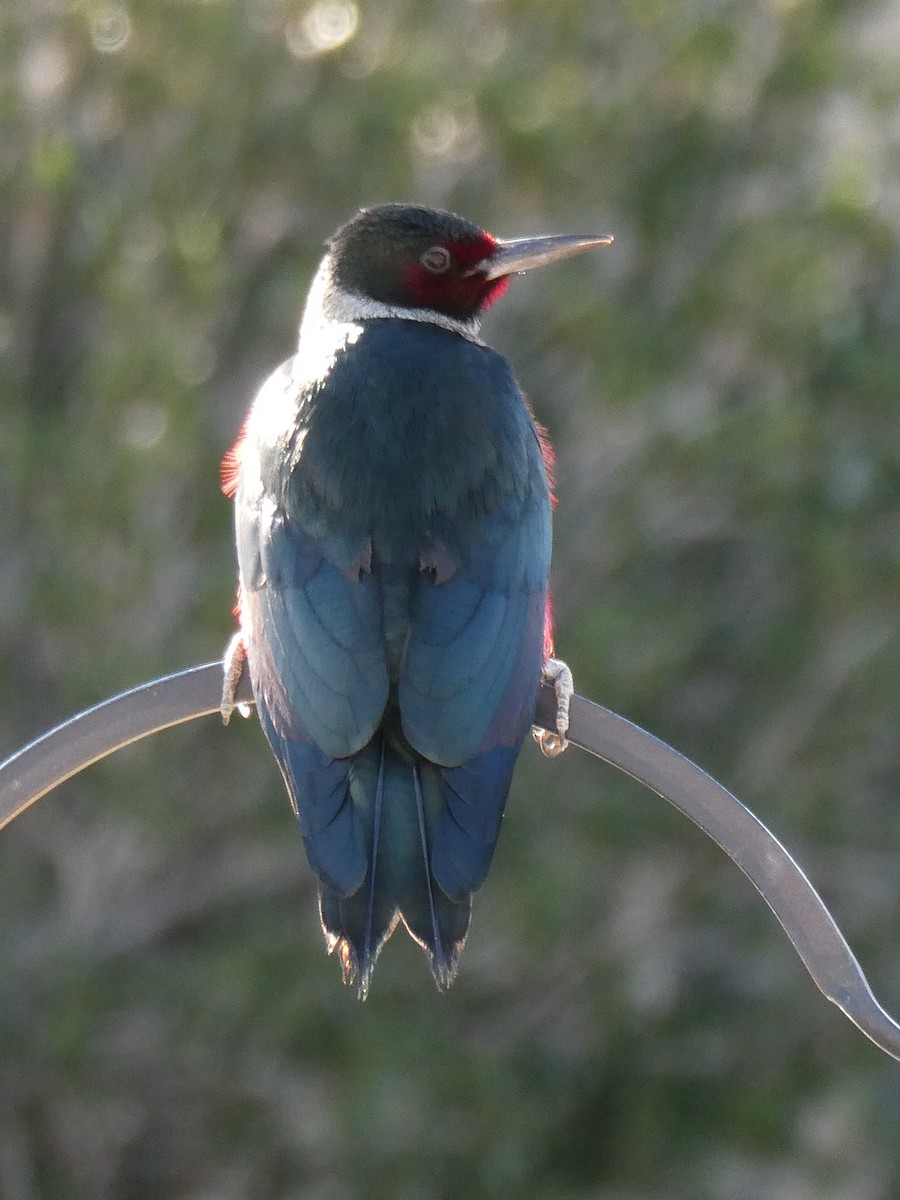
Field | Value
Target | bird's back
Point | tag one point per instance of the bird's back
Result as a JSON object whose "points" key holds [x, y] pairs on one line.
{"points": [[394, 550]]}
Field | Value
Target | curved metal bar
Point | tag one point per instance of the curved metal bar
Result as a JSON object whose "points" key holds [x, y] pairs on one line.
{"points": [[97, 732], [767, 864], [62, 752]]}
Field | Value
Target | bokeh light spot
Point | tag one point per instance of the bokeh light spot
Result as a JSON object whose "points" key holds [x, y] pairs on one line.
{"points": [[45, 70], [111, 28], [144, 425], [451, 133], [325, 27]]}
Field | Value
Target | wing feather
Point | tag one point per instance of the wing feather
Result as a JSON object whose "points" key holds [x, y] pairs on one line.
{"points": [[474, 654], [316, 638]]}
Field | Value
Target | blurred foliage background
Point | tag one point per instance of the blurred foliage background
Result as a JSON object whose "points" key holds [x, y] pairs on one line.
{"points": [[629, 1022]]}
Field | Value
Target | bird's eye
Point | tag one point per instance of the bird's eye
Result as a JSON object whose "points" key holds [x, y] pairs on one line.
{"points": [[436, 260]]}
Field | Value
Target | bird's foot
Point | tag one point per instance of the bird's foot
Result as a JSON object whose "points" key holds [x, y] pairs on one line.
{"points": [[233, 664], [553, 743]]}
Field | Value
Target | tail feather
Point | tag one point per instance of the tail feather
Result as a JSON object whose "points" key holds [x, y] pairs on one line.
{"points": [[452, 920], [373, 861], [469, 823], [444, 919], [343, 918], [318, 788], [399, 799], [436, 941], [357, 925]]}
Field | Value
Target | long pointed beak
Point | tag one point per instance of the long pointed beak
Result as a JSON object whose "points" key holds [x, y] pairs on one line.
{"points": [[521, 254]]}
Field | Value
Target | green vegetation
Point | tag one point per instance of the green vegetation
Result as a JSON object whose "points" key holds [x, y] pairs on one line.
{"points": [[629, 1022]]}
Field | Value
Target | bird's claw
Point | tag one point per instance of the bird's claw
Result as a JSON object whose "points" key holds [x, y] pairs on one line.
{"points": [[554, 742], [233, 665]]}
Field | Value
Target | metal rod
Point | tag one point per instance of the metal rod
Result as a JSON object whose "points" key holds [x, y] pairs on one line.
{"points": [[62, 752], [767, 864], [69, 748]]}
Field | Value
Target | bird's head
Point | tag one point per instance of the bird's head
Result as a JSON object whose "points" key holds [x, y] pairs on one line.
{"points": [[403, 257]]}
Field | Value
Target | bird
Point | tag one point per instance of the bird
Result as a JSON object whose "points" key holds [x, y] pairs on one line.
{"points": [[392, 499]]}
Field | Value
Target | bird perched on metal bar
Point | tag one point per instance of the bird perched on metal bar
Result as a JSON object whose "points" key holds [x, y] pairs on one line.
{"points": [[392, 508]]}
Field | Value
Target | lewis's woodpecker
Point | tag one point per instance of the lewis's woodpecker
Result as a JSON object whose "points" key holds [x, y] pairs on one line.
{"points": [[392, 511]]}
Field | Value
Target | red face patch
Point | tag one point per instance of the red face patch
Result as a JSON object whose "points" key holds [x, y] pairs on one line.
{"points": [[459, 289]]}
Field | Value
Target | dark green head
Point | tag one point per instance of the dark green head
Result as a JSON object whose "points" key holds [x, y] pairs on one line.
{"points": [[406, 256]]}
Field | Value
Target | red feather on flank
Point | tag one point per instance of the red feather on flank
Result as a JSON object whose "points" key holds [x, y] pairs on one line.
{"points": [[548, 629], [229, 472], [549, 457], [548, 454], [230, 468]]}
